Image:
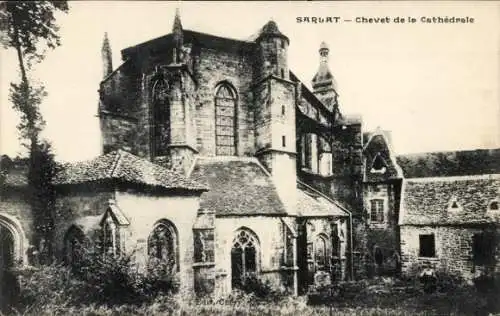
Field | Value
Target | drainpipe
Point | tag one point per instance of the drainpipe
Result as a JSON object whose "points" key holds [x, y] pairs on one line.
{"points": [[351, 268]]}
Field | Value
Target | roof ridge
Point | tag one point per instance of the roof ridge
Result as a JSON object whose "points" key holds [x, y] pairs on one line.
{"points": [[455, 178], [115, 163]]}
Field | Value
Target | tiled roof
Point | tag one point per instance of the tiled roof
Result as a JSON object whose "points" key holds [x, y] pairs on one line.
{"points": [[311, 203], [453, 163], [426, 201], [124, 167], [237, 186]]}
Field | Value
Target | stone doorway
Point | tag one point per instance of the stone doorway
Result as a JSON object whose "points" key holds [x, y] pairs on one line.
{"points": [[8, 282]]}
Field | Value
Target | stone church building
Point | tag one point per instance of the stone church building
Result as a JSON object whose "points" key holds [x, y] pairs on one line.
{"points": [[219, 162]]}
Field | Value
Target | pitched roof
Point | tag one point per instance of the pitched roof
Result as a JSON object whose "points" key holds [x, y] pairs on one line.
{"points": [[426, 201], [378, 149], [311, 203], [452, 163], [204, 39], [237, 186], [124, 167]]}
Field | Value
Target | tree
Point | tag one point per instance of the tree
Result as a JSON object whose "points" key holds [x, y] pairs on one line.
{"points": [[29, 27]]}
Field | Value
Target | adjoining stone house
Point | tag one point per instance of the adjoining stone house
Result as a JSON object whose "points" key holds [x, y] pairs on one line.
{"points": [[449, 214]]}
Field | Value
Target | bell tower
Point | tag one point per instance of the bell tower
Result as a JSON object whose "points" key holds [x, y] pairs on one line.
{"points": [[107, 57], [323, 83]]}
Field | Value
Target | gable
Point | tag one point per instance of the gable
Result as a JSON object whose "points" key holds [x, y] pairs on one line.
{"points": [[380, 164]]}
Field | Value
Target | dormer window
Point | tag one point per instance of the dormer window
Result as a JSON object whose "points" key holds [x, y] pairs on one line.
{"points": [[378, 165], [493, 206], [454, 205]]}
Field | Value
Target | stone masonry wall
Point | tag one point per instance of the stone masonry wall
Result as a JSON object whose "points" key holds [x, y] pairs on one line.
{"points": [[117, 133], [383, 235], [453, 249], [75, 205], [270, 235], [144, 211], [236, 69]]}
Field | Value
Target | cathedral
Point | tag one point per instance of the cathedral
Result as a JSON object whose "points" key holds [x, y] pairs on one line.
{"points": [[219, 162]]}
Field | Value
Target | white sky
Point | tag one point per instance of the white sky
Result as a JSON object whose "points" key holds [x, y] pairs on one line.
{"points": [[435, 86]]}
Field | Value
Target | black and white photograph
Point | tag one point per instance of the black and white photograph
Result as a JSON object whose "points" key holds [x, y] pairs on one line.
{"points": [[249, 158]]}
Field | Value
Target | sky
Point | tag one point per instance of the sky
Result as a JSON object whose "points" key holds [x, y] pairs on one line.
{"points": [[436, 87]]}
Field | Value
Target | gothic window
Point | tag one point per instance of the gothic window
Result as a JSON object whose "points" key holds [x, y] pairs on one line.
{"points": [[427, 246], [225, 121], [377, 210], [163, 245], [244, 256], [160, 117], [6, 249], [73, 245], [320, 252], [110, 237]]}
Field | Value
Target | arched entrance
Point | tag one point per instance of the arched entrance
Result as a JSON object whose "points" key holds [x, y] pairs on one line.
{"points": [[8, 282], [244, 256]]}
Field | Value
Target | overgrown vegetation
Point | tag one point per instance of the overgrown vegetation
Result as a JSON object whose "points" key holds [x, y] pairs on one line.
{"points": [[29, 27], [100, 286], [95, 280]]}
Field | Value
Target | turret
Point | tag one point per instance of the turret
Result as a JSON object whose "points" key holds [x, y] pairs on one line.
{"points": [[273, 52], [323, 83], [107, 57], [274, 97], [178, 38]]}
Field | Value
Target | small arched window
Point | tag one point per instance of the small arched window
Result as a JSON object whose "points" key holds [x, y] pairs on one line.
{"points": [[163, 245], [160, 117], [225, 120]]}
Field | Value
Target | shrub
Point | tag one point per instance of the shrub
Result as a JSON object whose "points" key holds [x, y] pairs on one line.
{"points": [[261, 289], [96, 280]]}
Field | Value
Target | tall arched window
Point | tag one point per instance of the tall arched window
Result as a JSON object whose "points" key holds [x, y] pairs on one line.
{"points": [[225, 120], [320, 252], [163, 245], [244, 256], [73, 245], [160, 117]]}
